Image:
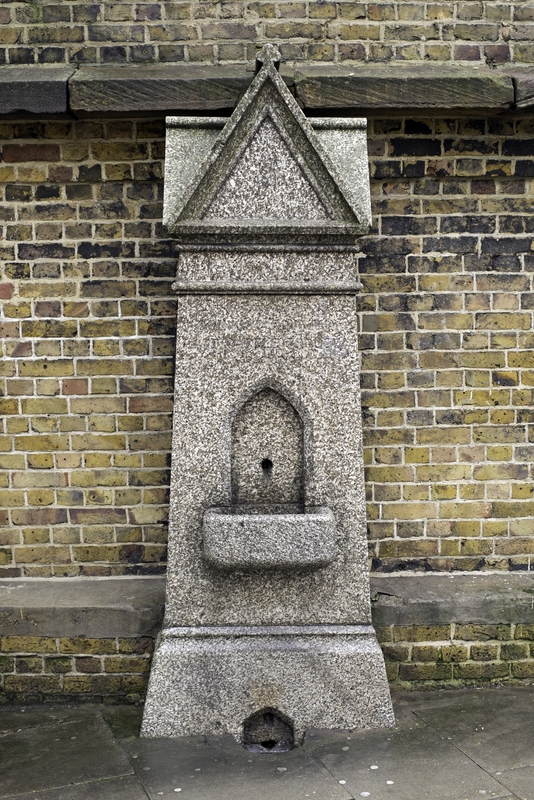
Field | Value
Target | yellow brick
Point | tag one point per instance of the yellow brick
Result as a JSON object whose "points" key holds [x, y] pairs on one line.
{"points": [[443, 492], [104, 386], [415, 492], [465, 528], [43, 424], [494, 527], [421, 633], [52, 405], [95, 442], [81, 645], [126, 664], [41, 497], [98, 405], [102, 478], [17, 425], [99, 497], [443, 472], [101, 424], [40, 461], [41, 443], [31, 174], [417, 455], [9, 499], [43, 555], [46, 368], [443, 435], [409, 511], [7, 173], [450, 547], [15, 462], [465, 510], [106, 348], [27, 644], [499, 453], [36, 536], [476, 547], [97, 460], [522, 527], [522, 491], [389, 474]]}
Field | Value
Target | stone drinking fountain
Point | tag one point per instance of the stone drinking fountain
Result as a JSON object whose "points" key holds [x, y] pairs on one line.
{"points": [[267, 628]]}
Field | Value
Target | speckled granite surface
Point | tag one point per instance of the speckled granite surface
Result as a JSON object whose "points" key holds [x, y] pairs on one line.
{"points": [[267, 426]]}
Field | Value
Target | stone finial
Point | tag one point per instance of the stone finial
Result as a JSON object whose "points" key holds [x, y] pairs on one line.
{"points": [[269, 54]]}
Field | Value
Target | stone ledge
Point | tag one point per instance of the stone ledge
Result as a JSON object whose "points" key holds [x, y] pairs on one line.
{"points": [[90, 607], [34, 89], [157, 87], [434, 599], [130, 607], [186, 88], [404, 87]]}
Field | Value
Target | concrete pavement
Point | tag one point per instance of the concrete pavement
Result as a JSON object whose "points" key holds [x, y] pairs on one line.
{"points": [[448, 745]]}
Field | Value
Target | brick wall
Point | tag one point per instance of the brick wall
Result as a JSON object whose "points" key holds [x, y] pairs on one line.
{"points": [[87, 318], [37, 668], [218, 32], [448, 345], [426, 657], [86, 322]]}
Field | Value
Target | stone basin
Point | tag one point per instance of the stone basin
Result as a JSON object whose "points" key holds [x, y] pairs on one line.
{"points": [[235, 540]]}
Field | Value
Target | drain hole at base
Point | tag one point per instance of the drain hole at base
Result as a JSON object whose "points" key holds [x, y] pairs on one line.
{"points": [[268, 731]]}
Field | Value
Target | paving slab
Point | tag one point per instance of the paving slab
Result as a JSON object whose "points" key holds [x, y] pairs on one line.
{"points": [[398, 764], [15, 718], [74, 749], [493, 727], [218, 768], [448, 745], [114, 789]]}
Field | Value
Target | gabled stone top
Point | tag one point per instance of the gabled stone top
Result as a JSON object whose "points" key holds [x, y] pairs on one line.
{"points": [[267, 174]]}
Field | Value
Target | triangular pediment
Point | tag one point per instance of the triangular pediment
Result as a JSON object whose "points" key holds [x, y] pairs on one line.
{"points": [[267, 182], [265, 175]]}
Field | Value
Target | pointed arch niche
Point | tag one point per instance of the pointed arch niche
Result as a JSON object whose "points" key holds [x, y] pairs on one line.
{"points": [[267, 454]]}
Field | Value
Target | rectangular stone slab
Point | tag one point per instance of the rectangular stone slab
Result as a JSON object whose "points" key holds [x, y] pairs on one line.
{"points": [[95, 607], [34, 89], [157, 87], [410, 87], [437, 599]]}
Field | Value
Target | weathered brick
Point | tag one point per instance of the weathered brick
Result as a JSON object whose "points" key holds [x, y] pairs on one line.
{"points": [[27, 644], [421, 633]]}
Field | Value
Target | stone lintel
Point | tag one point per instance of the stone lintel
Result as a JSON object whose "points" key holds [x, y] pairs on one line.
{"points": [[484, 598], [185, 88], [369, 88], [91, 607], [157, 88], [34, 89]]}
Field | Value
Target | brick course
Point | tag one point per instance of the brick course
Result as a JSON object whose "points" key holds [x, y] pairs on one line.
{"points": [[36, 669], [466, 31], [449, 656]]}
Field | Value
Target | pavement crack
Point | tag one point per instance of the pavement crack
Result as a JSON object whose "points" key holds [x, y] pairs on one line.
{"points": [[326, 769]]}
